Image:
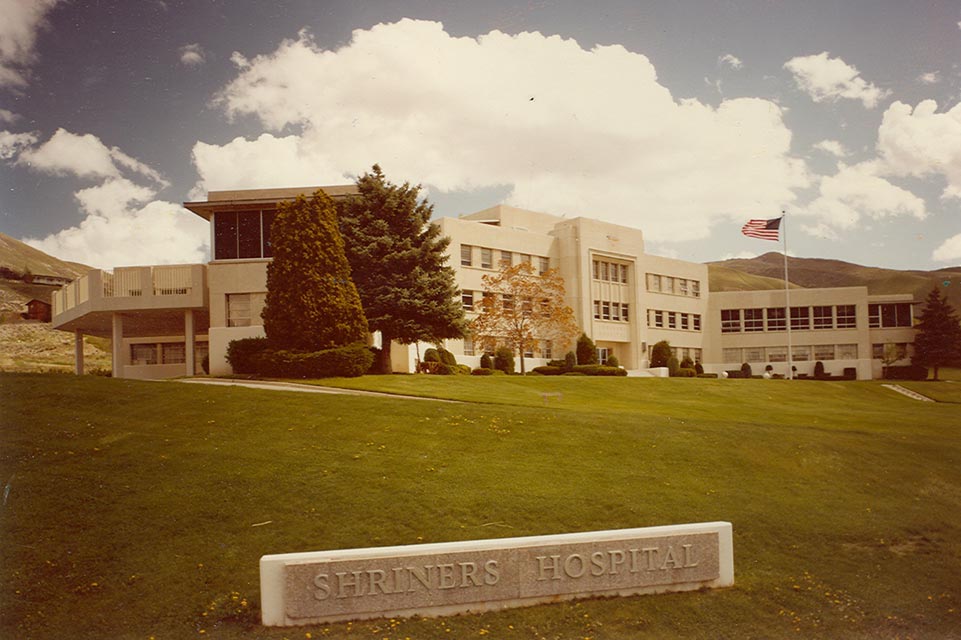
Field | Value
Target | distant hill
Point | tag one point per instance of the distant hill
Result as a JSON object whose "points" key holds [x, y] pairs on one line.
{"points": [[820, 272], [18, 256]]}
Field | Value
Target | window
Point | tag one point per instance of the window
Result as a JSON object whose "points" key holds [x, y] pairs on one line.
{"points": [[623, 274], [543, 265], [547, 351], [507, 301], [667, 284], [800, 318], [671, 320], [528, 351], [244, 309], [487, 258], [173, 353], [525, 258], [800, 353], [615, 311], [697, 322], [466, 255], [238, 309], [696, 288], [658, 317], [754, 354], [467, 298], [242, 234], [777, 354], [596, 269], [696, 355], [682, 286], [889, 315], [754, 320], [201, 351], [823, 317], [730, 320], [877, 351], [847, 352], [731, 355], [624, 315], [685, 321], [468, 346], [143, 354], [507, 259], [846, 318], [527, 306], [603, 353], [605, 310], [597, 309], [605, 275], [824, 352], [775, 319], [653, 282]]}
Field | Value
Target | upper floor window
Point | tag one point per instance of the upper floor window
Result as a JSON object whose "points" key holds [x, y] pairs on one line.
{"points": [[800, 318], [889, 315], [754, 319], [242, 234], [244, 309], [487, 258], [730, 320], [507, 259], [466, 255], [823, 317], [846, 317], [543, 265]]}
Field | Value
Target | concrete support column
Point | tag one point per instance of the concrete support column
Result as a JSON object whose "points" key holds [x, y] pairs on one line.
{"points": [[117, 361], [78, 351], [189, 337]]}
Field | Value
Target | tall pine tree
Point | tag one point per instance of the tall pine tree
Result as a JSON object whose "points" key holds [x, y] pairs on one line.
{"points": [[398, 261], [938, 339], [312, 304]]}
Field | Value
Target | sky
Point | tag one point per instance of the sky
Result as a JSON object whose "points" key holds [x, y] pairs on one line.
{"points": [[681, 118]]}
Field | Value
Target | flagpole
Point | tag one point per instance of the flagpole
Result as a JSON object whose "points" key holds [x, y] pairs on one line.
{"points": [[787, 300]]}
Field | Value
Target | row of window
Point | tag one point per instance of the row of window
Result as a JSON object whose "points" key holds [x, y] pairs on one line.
{"points": [[673, 320], [892, 351], [542, 348], [610, 271], [242, 234], [889, 315], [166, 353], [607, 310], [799, 353], [675, 286], [842, 316], [471, 301], [469, 255]]}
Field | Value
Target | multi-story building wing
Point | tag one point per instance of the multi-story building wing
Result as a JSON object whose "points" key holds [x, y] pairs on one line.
{"points": [[165, 319]]}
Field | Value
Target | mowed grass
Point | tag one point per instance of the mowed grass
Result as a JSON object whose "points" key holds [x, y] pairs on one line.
{"points": [[132, 509]]}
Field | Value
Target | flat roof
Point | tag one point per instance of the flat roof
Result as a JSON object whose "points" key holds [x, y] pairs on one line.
{"points": [[239, 199]]}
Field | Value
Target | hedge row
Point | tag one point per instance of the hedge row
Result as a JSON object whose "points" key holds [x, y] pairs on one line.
{"points": [[582, 369], [252, 355]]}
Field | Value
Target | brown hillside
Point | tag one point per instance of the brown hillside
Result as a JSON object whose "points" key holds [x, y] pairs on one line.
{"points": [[18, 256]]}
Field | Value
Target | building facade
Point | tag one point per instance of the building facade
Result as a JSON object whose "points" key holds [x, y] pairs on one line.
{"points": [[166, 320]]}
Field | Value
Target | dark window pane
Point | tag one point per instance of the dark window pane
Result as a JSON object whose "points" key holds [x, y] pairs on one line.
{"points": [[225, 235], [268, 220], [248, 232]]}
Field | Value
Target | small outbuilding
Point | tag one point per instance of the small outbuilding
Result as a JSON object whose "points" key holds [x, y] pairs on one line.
{"points": [[38, 310]]}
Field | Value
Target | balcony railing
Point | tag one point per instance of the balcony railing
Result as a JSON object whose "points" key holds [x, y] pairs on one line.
{"points": [[130, 287]]}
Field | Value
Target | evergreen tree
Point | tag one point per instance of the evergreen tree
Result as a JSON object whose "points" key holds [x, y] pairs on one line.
{"points": [[586, 350], [312, 303], [938, 340], [660, 354], [398, 260]]}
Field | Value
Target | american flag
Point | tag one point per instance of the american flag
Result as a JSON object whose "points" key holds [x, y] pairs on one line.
{"points": [[763, 229]]}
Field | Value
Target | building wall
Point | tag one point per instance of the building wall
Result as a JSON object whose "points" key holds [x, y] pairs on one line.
{"points": [[225, 278]]}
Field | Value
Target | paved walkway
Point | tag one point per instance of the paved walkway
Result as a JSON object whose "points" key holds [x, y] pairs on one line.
{"points": [[302, 388], [914, 395]]}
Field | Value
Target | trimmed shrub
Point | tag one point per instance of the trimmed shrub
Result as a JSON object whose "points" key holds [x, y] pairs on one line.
{"points": [[482, 371], [819, 369], [432, 355], [463, 369], [570, 361], [555, 363], [769, 368], [574, 373], [707, 375], [497, 372], [907, 372], [672, 366], [686, 372], [613, 362], [660, 354], [687, 363], [485, 362], [348, 362], [734, 373], [447, 357], [586, 350], [599, 370], [745, 370], [548, 370], [699, 369], [243, 354], [504, 360]]}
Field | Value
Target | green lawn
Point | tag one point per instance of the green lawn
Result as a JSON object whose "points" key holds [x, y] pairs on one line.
{"points": [[131, 508]]}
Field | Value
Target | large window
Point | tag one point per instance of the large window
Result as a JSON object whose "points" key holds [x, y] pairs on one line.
{"points": [[847, 352], [777, 354], [467, 298], [487, 258], [824, 352], [543, 265], [242, 234], [730, 356], [143, 354], [754, 354], [846, 317], [173, 352], [754, 320], [775, 319], [800, 318], [730, 320], [466, 255], [507, 259], [889, 315], [244, 309], [823, 317]]}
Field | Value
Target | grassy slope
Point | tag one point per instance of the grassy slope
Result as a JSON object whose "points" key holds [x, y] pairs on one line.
{"points": [[19, 256], [131, 504]]}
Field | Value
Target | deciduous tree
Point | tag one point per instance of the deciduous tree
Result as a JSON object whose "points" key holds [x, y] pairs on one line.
{"points": [[938, 340], [519, 307], [398, 261], [311, 303]]}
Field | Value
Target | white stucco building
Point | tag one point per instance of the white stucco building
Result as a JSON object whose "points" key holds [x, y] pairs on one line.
{"points": [[165, 319]]}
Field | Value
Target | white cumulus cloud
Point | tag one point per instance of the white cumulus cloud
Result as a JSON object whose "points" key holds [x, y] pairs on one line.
{"points": [[949, 250], [571, 131], [21, 21], [11, 144], [921, 142], [931, 77], [825, 78], [834, 147], [730, 60], [124, 226]]}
